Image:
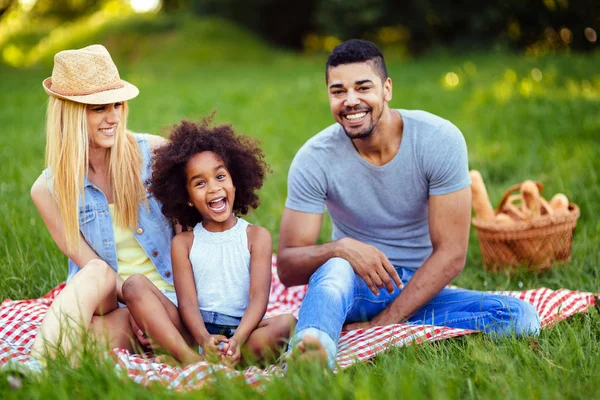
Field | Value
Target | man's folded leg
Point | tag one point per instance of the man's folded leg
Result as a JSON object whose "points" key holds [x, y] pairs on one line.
{"points": [[329, 297], [470, 309]]}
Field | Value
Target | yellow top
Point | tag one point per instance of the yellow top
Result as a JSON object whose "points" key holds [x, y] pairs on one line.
{"points": [[131, 257]]}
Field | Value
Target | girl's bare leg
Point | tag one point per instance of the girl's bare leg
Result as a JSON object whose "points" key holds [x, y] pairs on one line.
{"points": [[159, 318], [269, 338], [92, 291]]}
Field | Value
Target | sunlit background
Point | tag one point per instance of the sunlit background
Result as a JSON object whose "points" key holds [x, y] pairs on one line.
{"points": [[31, 28]]}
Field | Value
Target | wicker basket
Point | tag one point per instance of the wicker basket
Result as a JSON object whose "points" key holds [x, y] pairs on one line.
{"points": [[537, 242]]}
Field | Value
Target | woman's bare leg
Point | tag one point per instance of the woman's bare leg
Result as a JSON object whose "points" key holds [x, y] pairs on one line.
{"points": [[92, 291], [113, 330], [159, 318]]}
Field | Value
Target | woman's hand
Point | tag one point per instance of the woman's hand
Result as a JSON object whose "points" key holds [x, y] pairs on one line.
{"points": [[139, 334]]}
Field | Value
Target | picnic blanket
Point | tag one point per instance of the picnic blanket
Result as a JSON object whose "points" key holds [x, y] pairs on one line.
{"points": [[19, 321]]}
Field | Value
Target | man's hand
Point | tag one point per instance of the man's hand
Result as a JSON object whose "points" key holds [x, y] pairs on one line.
{"points": [[358, 325], [376, 321], [371, 265], [233, 353]]}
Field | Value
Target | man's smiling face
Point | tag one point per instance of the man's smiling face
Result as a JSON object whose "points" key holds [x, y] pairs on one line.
{"points": [[357, 97]]}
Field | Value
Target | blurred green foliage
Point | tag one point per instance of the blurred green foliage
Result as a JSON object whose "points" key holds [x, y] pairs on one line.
{"points": [[412, 27], [417, 24], [5, 5], [66, 10], [279, 22]]}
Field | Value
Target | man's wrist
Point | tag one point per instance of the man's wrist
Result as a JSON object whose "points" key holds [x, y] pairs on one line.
{"points": [[339, 248], [386, 317]]}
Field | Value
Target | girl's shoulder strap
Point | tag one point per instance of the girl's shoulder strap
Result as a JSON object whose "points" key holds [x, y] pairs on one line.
{"points": [[243, 224]]}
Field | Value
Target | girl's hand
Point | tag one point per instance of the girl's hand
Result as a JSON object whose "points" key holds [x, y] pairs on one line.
{"points": [[210, 345], [232, 353]]}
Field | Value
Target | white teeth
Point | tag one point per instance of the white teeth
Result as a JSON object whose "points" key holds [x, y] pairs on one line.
{"points": [[218, 209], [356, 116]]}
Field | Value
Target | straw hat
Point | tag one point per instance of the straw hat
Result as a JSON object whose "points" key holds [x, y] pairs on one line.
{"points": [[88, 76]]}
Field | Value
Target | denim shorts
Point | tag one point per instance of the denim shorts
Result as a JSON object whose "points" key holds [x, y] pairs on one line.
{"points": [[220, 324]]}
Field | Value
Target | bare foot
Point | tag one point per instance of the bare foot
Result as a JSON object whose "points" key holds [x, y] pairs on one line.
{"points": [[172, 361], [310, 349], [167, 359]]}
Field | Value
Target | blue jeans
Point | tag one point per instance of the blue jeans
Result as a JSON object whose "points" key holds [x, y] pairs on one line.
{"points": [[336, 295], [220, 324]]}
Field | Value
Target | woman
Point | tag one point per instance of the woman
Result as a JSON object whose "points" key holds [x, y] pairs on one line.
{"points": [[93, 200]]}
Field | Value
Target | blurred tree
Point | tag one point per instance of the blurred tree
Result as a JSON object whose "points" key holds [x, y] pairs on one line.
{"points": [[5, 5], [173, 5], [284, 23], [66, 10], [517, 22]]}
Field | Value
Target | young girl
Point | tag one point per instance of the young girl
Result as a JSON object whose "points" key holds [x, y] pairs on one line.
{"points": [[221, 268]]}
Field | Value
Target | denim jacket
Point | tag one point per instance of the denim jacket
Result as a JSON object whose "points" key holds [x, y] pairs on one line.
{"points": [[154, 233]]}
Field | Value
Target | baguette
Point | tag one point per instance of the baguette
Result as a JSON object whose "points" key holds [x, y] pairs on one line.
{"points": [[481, 202], [531, 199], [504, 219], [559, 204], [559, 201]]}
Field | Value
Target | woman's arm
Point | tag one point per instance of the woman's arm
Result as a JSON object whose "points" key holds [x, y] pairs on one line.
{"points": [[50, 213], [261, 245], [185, 287]]}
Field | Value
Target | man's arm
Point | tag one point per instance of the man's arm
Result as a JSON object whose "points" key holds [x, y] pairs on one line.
{"points": [[299, 256], [449, 223]]}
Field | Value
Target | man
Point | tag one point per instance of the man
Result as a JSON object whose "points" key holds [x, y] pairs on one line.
{"points": [[397, 187]]}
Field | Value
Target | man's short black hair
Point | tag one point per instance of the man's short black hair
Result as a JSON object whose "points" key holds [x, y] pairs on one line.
{"points": [[357, 51]]}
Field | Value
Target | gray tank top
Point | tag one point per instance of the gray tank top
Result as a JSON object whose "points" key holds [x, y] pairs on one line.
{"points": [[221, 265]]}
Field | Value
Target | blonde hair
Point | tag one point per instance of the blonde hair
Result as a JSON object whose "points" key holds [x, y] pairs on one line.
{"points": [[67, 157]]}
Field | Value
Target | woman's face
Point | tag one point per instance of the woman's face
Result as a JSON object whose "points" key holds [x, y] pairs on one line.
{"points": [[103, 120]]}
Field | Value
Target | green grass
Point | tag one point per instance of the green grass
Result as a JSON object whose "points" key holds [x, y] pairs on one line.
{"points": [[516, 128]]}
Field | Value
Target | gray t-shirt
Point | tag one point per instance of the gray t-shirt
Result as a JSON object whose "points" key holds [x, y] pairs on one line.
{"points": [[385, 206]]}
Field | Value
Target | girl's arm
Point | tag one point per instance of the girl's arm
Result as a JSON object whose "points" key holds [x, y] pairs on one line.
{"points": [[261, 250], [185, 287], [155, 141]]}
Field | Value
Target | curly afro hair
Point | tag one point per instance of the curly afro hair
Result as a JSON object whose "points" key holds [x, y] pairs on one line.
{"points": [[241, 155]]}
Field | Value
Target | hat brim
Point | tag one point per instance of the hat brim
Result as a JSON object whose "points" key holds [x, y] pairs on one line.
{"points": [[127, 92]]}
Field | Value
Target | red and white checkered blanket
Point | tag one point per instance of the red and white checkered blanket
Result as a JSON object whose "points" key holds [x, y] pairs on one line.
{"points": [[19, 321]]}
